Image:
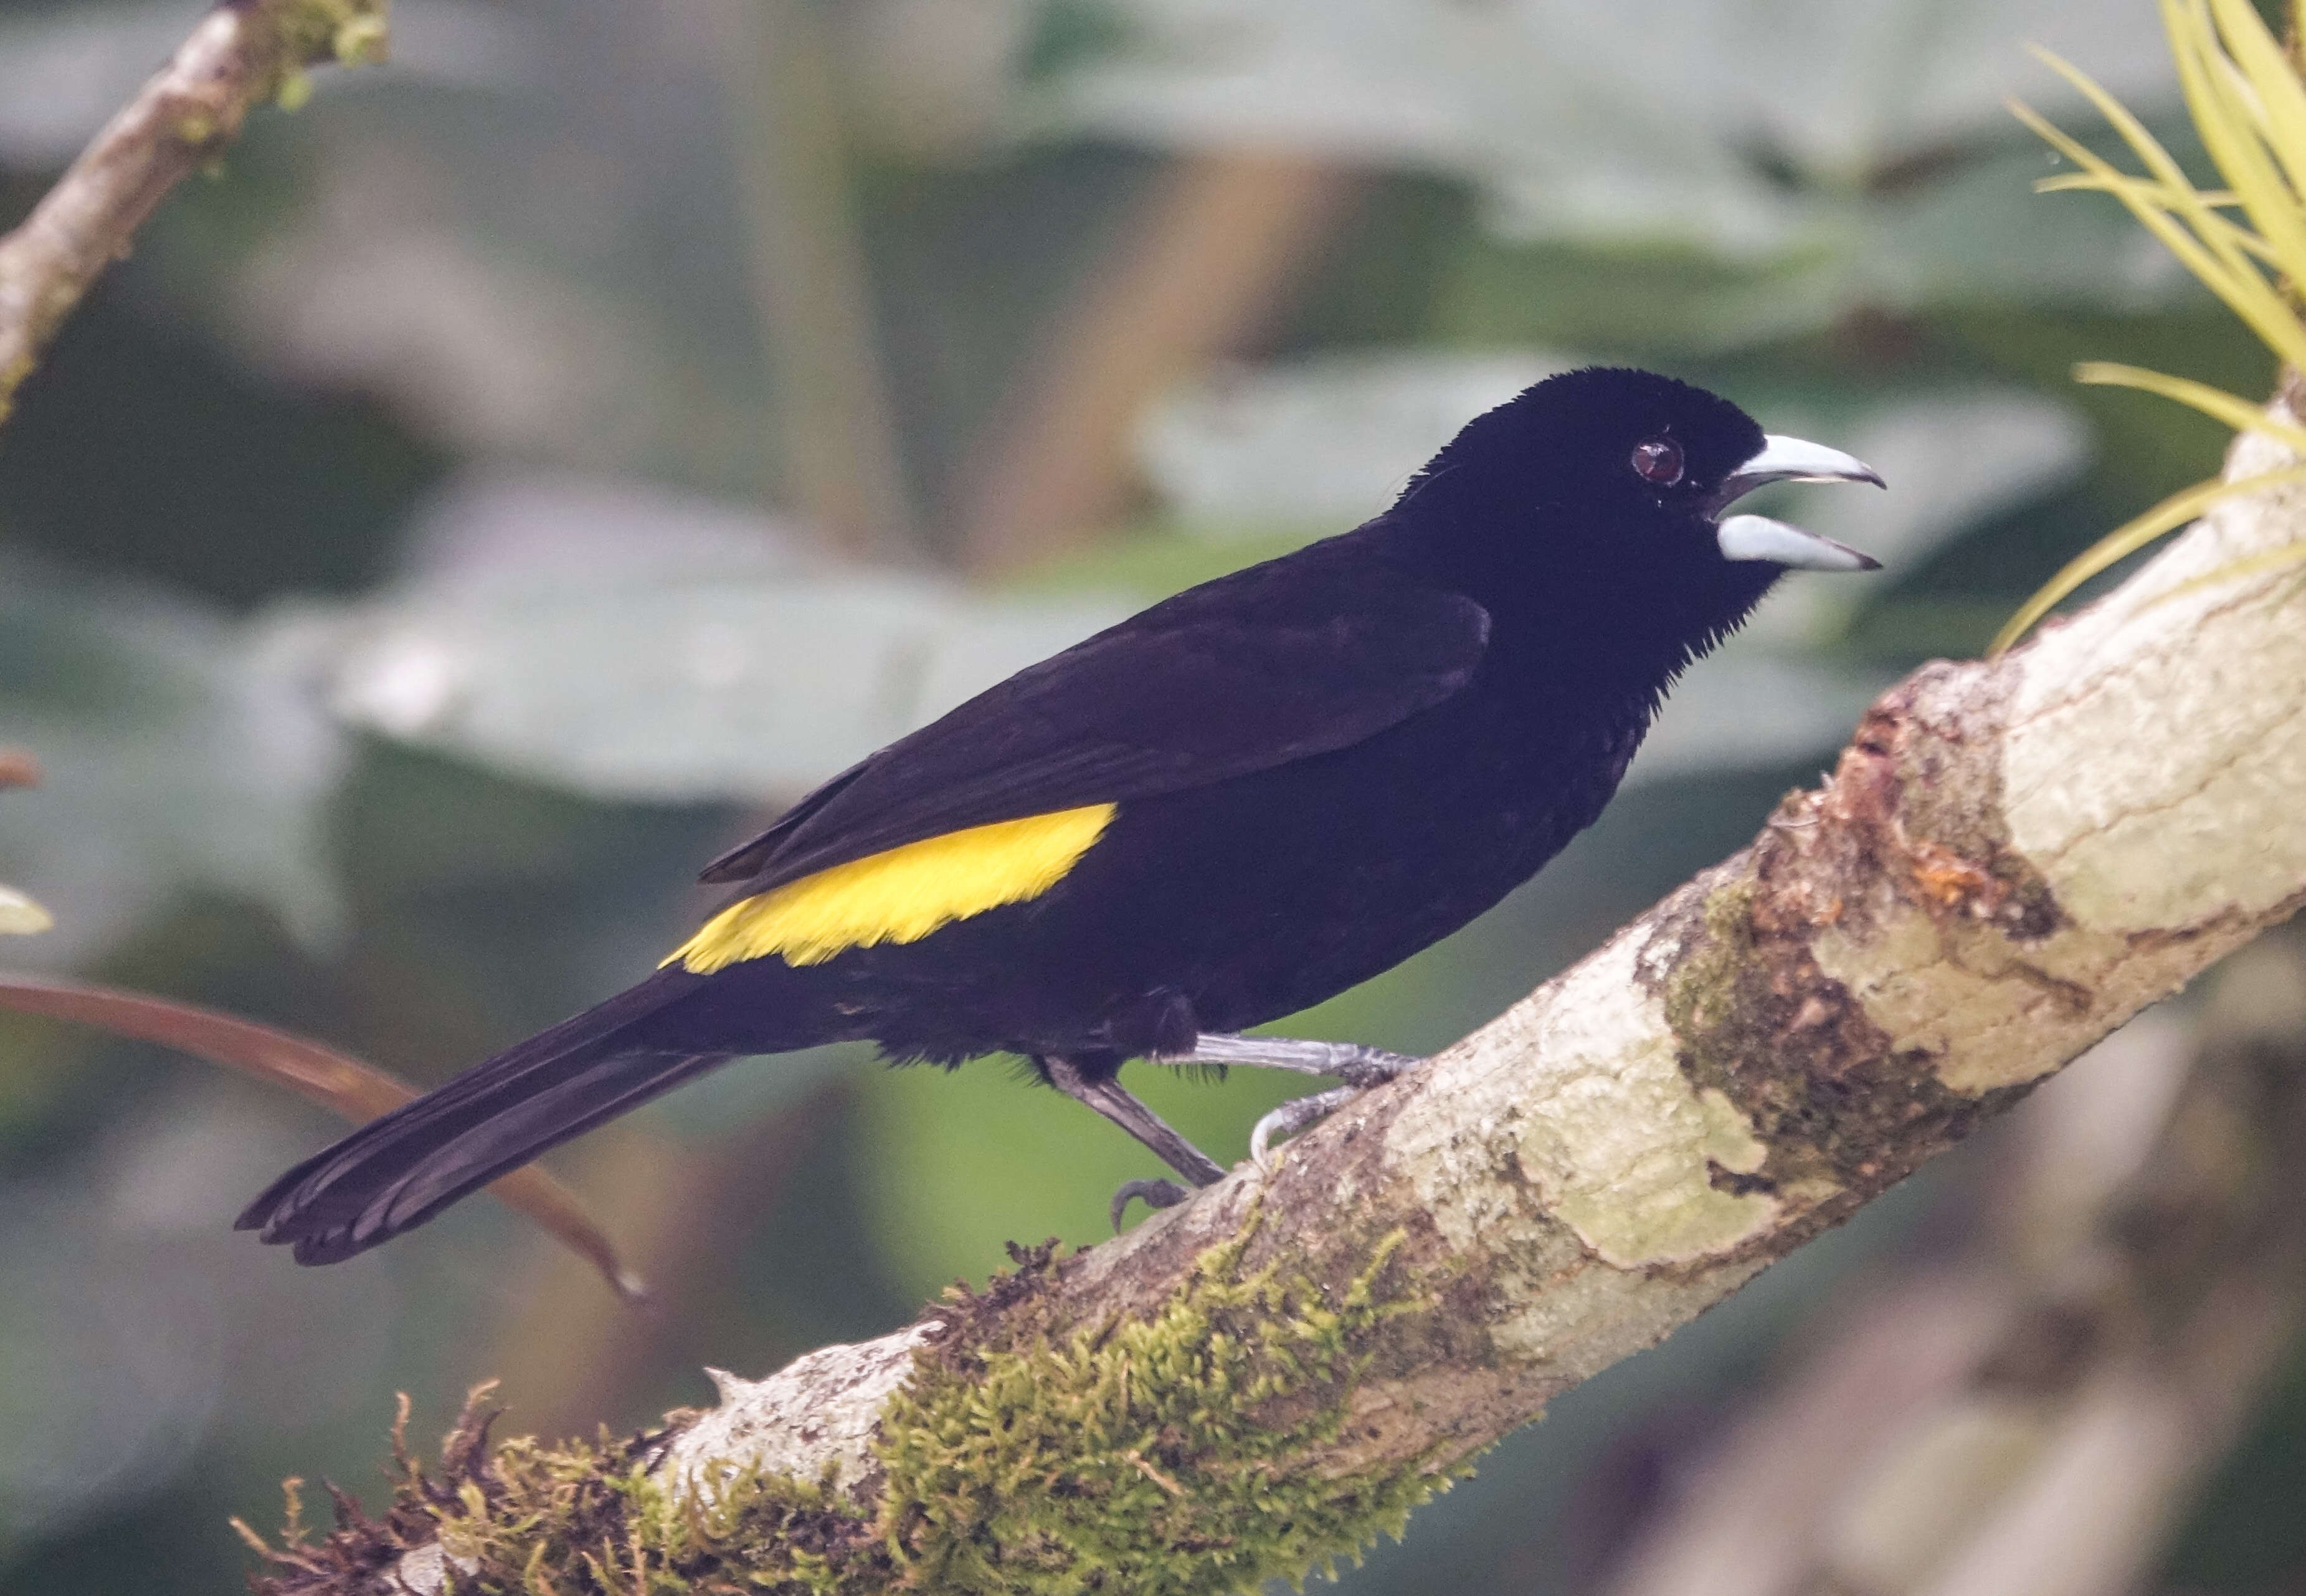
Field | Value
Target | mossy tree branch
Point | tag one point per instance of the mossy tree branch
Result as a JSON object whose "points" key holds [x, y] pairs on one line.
{"points": [[243, 52], [2011, 858]]}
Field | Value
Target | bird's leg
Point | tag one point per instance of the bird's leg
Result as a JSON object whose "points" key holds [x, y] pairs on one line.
{"points": [[1348, 1062], [1115, 1102], [1359, 1067]]}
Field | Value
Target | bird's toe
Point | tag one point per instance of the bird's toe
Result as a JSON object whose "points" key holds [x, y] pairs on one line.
{"points": [[1153, 1194]]}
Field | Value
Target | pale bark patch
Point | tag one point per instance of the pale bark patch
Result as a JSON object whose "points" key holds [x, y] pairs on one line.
{"points": [[2173, 841], [815, 1415]]}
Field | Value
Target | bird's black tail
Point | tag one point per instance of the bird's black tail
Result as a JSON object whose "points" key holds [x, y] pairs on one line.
{"points": [[400, 1169]]}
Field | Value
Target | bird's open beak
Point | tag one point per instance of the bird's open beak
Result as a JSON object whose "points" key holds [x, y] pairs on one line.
{"points": [[1758, 537]]}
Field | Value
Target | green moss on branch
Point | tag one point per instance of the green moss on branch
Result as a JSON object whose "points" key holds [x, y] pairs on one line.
{"points": [[1157, 1455]]}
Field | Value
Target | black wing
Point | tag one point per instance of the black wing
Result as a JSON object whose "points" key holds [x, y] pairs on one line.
{"points": [[1297, 657]]}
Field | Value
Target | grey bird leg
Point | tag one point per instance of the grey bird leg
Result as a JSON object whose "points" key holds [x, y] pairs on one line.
{"points": [[1110, 1098], [1348, 1062], [1359, 1067]]}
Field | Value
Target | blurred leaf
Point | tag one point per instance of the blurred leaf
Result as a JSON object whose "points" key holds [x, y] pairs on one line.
{"points": [[1323, 443], [473, 346], [1954, 457], [115, 1353], [176, 758], [1748, 709], [1156, 559], [1973, 233], [1584, 121], [1826, 155], [1982, 234], [683, 689], [694, 665], [135, 1325], [21, 915], [502, 239], [314, 1071]]}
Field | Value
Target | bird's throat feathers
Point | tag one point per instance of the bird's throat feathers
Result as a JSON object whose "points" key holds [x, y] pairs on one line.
{"points": [[900, 895]]}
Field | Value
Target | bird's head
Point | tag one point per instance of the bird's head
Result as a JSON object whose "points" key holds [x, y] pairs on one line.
{"points": [[1614, 484]]}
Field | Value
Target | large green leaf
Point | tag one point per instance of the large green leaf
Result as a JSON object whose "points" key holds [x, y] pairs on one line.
{"points": [[1825, 154], [655, 647], [1320, 444], [174, 755]]}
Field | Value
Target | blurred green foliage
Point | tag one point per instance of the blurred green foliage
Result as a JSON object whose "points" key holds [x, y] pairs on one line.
{"points": [[406, 587]]}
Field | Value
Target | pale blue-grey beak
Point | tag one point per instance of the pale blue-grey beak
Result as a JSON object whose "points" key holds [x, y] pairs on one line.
{"points": [[1758, 537]]}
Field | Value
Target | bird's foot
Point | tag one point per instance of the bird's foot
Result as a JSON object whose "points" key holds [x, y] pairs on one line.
{"points": [[1153, 1194], [1109, 1098], [1368, 1067]]}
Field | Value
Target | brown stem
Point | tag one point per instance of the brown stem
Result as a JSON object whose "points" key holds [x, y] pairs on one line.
{"points": [[837, 437], [180, 120], [314, 1071], [1192, 276]]}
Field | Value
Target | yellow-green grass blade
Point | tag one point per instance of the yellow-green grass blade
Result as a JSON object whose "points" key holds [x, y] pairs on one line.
{"points": [[2227, 272], [2127, 540], [2231, 123], [2266, 67], [2236, 412], [2233, 277], [2134, 192], [2217, 198], [2255, 565]]}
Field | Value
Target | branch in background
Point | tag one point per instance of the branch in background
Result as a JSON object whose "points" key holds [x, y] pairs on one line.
{"points": [[315, 1073], [241, 54], [2000, 870], [810, 290], [1194, 274]]}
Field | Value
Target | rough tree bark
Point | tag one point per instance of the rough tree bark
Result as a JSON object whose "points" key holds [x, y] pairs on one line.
{"points": [[2011, 858]]}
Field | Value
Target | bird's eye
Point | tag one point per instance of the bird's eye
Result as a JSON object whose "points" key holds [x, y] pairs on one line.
{"points": [[1658, 460]]}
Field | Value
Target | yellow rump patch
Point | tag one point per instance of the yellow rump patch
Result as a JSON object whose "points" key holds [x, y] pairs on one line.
{"points": [[901, 895]]}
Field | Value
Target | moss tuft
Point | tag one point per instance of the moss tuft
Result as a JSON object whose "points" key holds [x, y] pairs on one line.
{"points": [[1163, 1454], [574, 1520], [299, 33]]}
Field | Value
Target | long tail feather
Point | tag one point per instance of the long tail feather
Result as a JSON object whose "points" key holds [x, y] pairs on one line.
{"points": [[400, 1169]]}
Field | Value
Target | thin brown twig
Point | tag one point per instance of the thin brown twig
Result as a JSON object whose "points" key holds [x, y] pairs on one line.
{"points": [[1193, 274], [837, 432], [243, 52], [314, 1071]]}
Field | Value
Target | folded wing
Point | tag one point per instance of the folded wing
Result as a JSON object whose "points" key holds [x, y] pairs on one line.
{"points": [[1236, 675]]}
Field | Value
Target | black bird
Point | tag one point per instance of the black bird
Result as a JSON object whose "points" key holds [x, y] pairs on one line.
{"points": [[1227, 808]]}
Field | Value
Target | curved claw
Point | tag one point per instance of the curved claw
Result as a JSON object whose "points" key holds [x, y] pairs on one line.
{"points": [[1292, 1117], [1153, 1194]]}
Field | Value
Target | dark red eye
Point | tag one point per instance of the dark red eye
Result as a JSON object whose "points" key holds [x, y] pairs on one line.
{"points": [[1658, 460]]}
